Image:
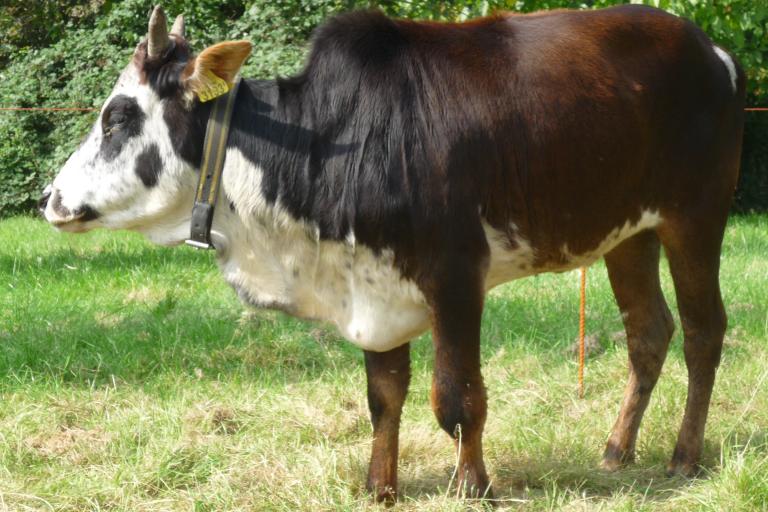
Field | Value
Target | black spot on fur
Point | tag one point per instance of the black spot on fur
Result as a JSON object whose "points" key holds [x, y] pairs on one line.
{"points": [[122, 120], [149, 165], [187, 128]]}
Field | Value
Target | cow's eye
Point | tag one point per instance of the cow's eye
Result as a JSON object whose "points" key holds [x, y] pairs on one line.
{"points": [[122, 120], [112, 122], [116, 118]]}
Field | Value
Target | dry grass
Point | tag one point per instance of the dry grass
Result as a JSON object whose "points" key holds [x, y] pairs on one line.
{"points": [[132, 381]]}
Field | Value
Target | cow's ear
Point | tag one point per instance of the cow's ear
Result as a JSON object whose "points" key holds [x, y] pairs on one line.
{"points": [[216, 67]]}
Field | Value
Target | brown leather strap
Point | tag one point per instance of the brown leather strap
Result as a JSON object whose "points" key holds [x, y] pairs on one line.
{"points": [[211, 167]]}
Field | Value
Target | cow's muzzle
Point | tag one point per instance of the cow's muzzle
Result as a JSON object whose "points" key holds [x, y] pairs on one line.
{"points": [[56, 213]]}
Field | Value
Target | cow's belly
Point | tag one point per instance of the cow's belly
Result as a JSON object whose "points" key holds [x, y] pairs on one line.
{"points": [[363, 293]]}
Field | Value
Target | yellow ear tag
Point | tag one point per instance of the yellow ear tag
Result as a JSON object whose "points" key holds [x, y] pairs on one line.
{"points": [[213, 87]]}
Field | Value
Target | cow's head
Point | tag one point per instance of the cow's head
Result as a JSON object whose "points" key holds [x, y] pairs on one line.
{"points": [[137, 168]]}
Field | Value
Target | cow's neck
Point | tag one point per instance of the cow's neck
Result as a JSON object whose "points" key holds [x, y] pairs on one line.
{"points": [[274, 129]]}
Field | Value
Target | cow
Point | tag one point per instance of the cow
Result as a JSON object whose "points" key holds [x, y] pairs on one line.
{"points": [[411, 166]]}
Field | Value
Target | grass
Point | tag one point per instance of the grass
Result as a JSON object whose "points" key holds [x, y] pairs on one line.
{"points": [[132, 379]]}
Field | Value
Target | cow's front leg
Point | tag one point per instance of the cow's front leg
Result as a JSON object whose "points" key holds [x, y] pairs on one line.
{"points": [[458, 393], [388, 376]]}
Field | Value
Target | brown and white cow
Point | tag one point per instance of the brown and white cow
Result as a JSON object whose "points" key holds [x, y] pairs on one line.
{"points": [[412, 166]]}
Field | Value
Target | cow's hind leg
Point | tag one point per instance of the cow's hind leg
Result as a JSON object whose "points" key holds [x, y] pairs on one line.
{"points": [[388, 377], [633, 269], [693, 251]]}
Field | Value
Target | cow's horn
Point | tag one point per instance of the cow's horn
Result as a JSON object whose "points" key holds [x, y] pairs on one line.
{"points": [[178, 26], [157, 38]]}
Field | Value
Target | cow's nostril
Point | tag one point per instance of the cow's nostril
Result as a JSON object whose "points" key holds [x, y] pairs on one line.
{"points": [[43, 202]]}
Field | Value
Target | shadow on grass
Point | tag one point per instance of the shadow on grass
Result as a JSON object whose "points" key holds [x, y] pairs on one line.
{"points": [[139, 341], [59, 323], [520, 480], [90, 337], [517, 480]]}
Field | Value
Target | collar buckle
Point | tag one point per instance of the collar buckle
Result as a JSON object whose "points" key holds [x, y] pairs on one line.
{"points": [[198, 245]]}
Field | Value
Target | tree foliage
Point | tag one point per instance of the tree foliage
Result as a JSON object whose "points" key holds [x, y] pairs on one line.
{"points": [[67, 52]]}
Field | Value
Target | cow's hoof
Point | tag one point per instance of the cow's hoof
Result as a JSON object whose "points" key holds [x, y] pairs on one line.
{"points": [[385, 495], [476, 488], [611, 464], [614, 462], [684, 469]]}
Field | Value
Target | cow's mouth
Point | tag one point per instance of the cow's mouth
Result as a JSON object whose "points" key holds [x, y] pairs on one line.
{"points": [[70, 225], [77, 223]]}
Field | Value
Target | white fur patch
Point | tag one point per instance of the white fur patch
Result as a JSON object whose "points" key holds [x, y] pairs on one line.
{"points": [[507, 263], [276, 261], [648, 219], [516, 262], [729, 64]]}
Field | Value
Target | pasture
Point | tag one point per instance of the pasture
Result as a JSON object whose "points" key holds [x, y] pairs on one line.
{"points": [[131, 378]]}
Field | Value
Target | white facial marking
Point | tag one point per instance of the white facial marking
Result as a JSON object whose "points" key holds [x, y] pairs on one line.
{"points": [[277, 261], [729, 64]]}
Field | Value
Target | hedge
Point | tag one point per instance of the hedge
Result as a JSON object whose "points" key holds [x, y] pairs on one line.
{"points": [[55, 53]]}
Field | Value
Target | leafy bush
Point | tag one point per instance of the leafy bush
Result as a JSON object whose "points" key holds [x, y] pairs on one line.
{"points": [[56, 53]]}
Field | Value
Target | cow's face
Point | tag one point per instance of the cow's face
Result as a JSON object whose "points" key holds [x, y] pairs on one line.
{"points": [[135, 169]]}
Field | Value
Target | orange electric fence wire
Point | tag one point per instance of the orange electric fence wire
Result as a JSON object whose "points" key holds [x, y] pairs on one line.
{"points": [[582, 308]]}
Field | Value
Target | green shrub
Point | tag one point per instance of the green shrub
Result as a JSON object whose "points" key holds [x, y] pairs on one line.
{"points": [[63, 53]]}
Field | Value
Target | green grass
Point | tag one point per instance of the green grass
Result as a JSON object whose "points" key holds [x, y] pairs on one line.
{"points": [[131, 379]]}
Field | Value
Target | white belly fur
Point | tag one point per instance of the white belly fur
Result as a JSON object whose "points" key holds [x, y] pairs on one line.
{"points": [[275, 261], [509, 264], [363, 295]]}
